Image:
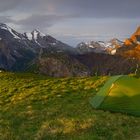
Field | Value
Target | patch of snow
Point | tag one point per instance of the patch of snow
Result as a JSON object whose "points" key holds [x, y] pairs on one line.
{"points": [[35, 34], [10, 30], [3, 27], [138, 42], [15, 36], [39, 32], [53, 44], [29, 36], [108, 45], [38, 43], [91, 46], [113, 51], [102, 43]]}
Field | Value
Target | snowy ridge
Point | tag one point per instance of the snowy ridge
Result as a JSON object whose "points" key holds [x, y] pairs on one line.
{"points": [[34, 38], [34, 35], [5, 27], [100, 46], [28, 36]]}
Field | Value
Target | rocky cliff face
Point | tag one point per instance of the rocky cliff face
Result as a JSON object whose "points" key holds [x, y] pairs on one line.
{"points": [[6, 59], [103, 64], [131, 46], [14, 56], [61, 65]]}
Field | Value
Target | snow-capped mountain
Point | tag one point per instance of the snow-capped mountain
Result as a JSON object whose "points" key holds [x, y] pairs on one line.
{"points": [[16, 49], [34, 38], [8, 33], [112, 46], [87, 47], [40, 53], [109, 47], [33, 35], [48, 42]]}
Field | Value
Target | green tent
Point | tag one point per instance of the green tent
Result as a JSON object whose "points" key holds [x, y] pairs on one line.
{"points": [[119, 94]]}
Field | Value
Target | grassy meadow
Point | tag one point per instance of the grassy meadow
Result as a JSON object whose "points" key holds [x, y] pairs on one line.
{"points": [[35, 107]]}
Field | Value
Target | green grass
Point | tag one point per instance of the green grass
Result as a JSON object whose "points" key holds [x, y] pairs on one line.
{"points": [[41, 108]]}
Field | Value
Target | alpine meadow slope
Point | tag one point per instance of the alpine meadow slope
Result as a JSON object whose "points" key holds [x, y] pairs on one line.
{"points": [[40, 108]]}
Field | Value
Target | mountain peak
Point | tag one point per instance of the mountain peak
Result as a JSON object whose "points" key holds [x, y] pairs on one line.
{"points": [[4, 26], [10, 30], [137, 31], [36, 31], [34, 34]]}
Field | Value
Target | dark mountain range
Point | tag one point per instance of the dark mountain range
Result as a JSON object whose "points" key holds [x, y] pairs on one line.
{"points": [[39, 53], [105, 64]]}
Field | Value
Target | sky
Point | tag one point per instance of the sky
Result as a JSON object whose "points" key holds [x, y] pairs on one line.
{"points": [[73, 21]]}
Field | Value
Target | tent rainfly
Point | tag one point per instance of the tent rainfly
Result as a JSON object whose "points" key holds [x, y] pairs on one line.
{"points": [[119, 94]]}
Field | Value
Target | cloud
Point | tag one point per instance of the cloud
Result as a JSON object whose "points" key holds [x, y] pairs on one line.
{"points": [[72, 16], [40, 13], [85, 8], [6, 5], [41, 21], [90, 8], [5, 19], [102, 8]]}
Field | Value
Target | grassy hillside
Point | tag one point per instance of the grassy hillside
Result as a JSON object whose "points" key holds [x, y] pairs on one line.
{"points": [[40, 108]]}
